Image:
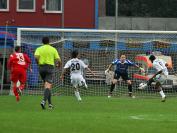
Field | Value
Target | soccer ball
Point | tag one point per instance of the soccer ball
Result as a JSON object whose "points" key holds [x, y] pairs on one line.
{"points": [[142, 86]]}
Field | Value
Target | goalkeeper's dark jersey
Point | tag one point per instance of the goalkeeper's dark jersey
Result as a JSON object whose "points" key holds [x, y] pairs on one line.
{"points": [[122, 67]]}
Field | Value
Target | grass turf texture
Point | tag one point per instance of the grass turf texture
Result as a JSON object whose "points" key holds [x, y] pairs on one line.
{"points": [[92, 115]]}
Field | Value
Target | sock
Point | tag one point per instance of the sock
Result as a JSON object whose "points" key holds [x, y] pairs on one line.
{"points": [[15, 90], [46, 94], [85, 85], [150, 82], [129, 88], [162, 93], [112, 88], [49, 97], [77, 95]]}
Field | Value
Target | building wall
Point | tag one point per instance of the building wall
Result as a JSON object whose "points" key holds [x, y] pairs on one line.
{"points": [[138, 23], [77, 13], [82, 14]]}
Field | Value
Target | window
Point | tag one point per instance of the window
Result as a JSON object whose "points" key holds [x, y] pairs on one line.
{"points": [[53, 6], [26, 5], [4, 5]]}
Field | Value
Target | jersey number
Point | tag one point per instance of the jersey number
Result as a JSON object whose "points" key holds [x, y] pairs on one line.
{"points": [[75, 66], [21, 59]]}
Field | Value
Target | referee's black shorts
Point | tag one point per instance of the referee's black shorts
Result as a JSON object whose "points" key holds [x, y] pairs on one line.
{"points": [[124, 76], [46, 73]]}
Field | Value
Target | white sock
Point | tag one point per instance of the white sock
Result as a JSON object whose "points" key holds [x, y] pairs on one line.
{"points": [[77, 95], [86, 86], [162, 93]]}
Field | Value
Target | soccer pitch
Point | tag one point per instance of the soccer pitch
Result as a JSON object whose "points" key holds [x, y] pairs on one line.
{"points": [[92, 115]]}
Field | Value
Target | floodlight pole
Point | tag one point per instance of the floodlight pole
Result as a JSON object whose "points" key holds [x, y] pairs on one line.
{"points": [[4, 57], [116, 34], [116, 13], [62, 36]]}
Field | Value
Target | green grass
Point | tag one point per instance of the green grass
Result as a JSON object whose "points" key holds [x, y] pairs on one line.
{"points": [[92, 115]]}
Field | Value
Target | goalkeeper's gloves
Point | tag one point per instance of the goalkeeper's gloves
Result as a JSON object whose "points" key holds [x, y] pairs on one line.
{"points": [[106, 71], [142, 70]]}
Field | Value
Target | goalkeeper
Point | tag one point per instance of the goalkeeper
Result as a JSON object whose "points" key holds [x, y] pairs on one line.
{"points": [[121, 70]]}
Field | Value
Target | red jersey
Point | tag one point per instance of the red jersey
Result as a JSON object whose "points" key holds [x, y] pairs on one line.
{"points": [[18, 61]]}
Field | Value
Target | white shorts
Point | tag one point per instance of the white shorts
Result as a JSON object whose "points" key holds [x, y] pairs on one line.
{"points": [[77, 80], [160, 78]]}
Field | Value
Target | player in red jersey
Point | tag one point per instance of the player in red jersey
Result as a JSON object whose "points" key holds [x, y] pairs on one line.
{"points": [[18, 64]]}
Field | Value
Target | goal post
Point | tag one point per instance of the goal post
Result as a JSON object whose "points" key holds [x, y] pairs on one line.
{"points": [[98, 48]]}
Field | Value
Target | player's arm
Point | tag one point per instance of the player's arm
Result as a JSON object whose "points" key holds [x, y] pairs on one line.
{"points": [[90, 71], [166, 64], [37, 56], [86, 67], [30, 68], [9, 62], [140, 68], [57, 59], [137, 66], [113, 63], [28, 61], [66, 68], [58, 62], [63, 73], [109, 67]]}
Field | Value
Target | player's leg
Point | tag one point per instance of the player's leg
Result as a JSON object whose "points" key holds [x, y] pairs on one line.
{"points": [[77, 94], [15, 91], [22, 80], [48, 94], [42, 73], [48, 85], [159, 88], [161, 79], [75, 81], [148, 83], [83, 82], [130, 88], [113, 84], [129, 82], [14, 79]]}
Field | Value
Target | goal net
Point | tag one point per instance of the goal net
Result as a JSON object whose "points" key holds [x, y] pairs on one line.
{"points": [[98, 48]]}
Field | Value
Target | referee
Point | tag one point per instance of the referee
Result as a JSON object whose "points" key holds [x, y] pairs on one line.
{"points": [[46, 57]]}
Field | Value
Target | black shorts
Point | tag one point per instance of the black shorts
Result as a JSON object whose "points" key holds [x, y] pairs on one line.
{"points": [[124, 76], [46, 72]]}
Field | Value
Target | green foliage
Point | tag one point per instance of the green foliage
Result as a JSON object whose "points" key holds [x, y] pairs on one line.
{"points": [[142, 8]]}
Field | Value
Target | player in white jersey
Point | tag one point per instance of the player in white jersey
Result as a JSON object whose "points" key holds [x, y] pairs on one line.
{"points": [[76, 67], [160, 76]]}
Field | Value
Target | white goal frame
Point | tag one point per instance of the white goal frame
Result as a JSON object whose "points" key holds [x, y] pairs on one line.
{"points": [[115, 32], [89, 31]]}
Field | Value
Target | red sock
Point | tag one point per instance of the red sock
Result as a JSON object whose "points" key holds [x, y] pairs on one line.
{"points": [[15, 90]]}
